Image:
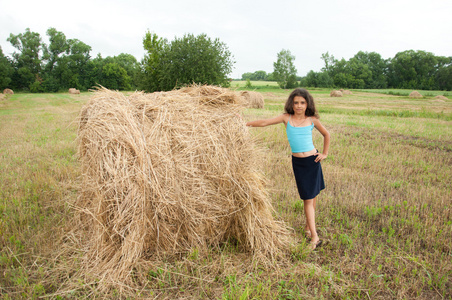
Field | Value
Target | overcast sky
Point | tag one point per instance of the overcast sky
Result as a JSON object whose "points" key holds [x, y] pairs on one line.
{"points": [[254, 31]]}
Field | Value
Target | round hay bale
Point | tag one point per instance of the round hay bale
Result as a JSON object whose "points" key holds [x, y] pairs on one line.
{"points": [[347, 92], [74, 91], [415, 94], [2, 97], [166, 173], [336, 94], [441, 97], [253, 99], [8, 92]]}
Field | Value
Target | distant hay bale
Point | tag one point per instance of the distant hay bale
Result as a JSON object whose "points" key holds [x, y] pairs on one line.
{"points": [[253, 99], [166, 173], [8, 92], [415, 94], [336, 94], [441, 97], [347, 92], [74, 91]]}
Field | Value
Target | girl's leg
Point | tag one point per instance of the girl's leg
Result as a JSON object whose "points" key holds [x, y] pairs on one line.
{"points": [[309, 210], [306, 228]]}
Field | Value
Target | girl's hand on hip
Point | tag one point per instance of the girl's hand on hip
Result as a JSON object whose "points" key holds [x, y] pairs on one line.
{"points": [[320, 157]]}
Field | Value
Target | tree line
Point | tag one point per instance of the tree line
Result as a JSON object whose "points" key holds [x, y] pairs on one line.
{"points": [[366, 70], [67, 63]]}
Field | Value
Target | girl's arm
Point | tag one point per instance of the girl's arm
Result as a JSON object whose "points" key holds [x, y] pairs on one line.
{"points": [[267, 122], [326, 139]]}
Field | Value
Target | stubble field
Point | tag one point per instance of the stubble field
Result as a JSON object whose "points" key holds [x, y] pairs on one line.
{"points": [[385, 214]]}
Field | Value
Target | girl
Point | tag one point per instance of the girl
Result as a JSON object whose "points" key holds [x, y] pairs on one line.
{"points": [[300, 118]]}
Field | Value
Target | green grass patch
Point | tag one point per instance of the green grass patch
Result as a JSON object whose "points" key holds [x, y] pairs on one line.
{"points": [[388, 113], [406, 93]]}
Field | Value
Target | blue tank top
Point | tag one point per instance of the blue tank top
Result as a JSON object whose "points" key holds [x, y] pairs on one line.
{"points": [[300, 138]]}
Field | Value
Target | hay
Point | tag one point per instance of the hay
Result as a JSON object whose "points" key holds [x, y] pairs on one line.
{"points": [[74, 91], [336, 94], [415, 94], [441, 97], [253, 99], [8, 92], [347, 92], [166, 173]]}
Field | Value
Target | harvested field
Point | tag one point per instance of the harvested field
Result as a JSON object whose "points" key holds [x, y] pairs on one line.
{"points": [[385, 215]]}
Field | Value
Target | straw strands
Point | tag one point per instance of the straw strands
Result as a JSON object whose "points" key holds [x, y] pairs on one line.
{"points": [[166, 173], [253, 99]]}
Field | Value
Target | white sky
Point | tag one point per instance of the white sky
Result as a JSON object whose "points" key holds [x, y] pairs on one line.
{"points": [[254, 30]]}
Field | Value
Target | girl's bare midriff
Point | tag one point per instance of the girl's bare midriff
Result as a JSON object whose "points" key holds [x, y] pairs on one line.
{"points": [[305, 154]]}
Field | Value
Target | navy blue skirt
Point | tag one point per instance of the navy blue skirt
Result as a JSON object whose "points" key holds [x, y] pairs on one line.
{"points": [[308, 175]]}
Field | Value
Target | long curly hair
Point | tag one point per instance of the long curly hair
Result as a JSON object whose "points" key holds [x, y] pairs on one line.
{"points": [[311, 111]]}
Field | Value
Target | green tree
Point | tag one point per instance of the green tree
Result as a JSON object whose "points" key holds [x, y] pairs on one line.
{"points": [[340, 73], [78, 57], [115, 77], [413, 70], [54, 60], [270, 77], [57, 46], [374, 74], [130, 64], [27, 62], [443, 76], [324, 80], [284, 70], [329, 62], [95, 69], [260, 75], [194, 59], [151, 65], [6, 71], [247, 76]]}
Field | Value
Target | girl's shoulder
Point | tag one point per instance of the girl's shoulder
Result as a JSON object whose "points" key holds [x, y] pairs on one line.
{"points": [[285, 117], [314, 119]]}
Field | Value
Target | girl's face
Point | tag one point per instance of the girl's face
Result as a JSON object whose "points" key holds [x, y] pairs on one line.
{"points": [[299, 105]]}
